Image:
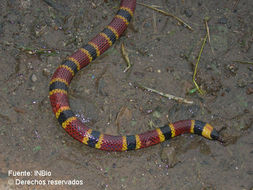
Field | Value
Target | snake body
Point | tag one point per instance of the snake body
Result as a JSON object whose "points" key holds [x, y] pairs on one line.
{"points": [[74, 127]]}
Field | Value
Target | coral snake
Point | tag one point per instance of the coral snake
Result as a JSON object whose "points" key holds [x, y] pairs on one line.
{"points": [[71, 65]]}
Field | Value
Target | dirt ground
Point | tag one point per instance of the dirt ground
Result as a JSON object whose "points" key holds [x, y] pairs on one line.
{"points": [[35, 35]]}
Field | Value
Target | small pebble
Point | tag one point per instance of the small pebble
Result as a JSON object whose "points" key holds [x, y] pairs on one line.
{"points": [[30, 65], [249, 91], [34, 78], [46, 72], [93, 5]]}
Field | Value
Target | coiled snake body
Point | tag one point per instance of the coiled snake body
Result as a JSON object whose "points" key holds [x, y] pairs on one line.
{"points": [[71, 65]]}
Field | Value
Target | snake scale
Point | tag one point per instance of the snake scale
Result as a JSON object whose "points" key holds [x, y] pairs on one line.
{"points": [[82, 57]]}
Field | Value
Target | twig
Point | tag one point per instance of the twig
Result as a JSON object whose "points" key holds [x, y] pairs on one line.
{"points": [[169, 96], [154, 23], [167, 14], [196, 66], [235, 4], [31, 51], [126, 58], [243, 62], [206, 19]]}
